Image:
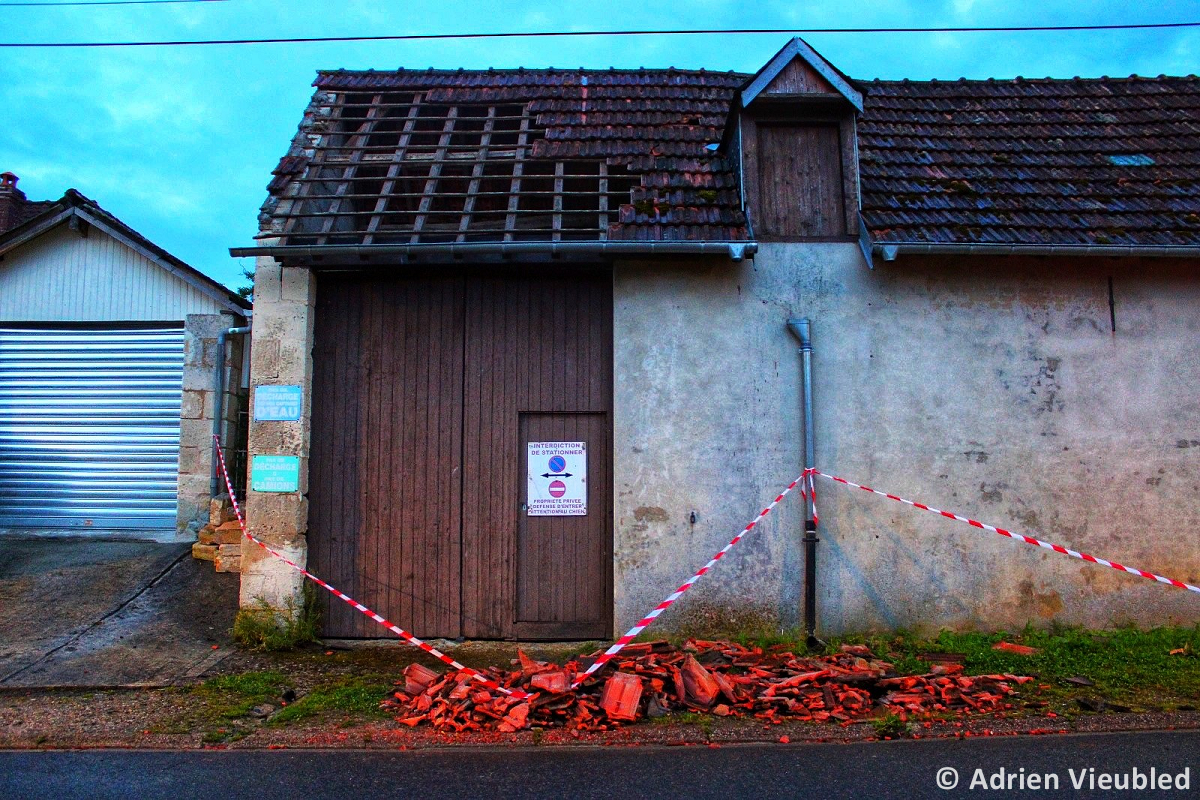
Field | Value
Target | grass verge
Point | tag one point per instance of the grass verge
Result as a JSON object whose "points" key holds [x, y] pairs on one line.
{"points": [[354, 698], [220, 706], [1157, 669]]}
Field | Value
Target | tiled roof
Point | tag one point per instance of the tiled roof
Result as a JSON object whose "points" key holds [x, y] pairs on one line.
{"points": [[1104, 161], [625, 155], [516, 155], [24, 211]]}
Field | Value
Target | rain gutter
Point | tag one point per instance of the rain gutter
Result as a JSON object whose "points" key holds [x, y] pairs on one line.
{"points": [[735, 251], [889, 251]]}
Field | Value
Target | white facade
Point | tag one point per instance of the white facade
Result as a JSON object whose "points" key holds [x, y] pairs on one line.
{"points": [[63, 277], [108, 360]]}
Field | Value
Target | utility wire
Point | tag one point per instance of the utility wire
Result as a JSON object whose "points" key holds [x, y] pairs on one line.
{"points": [[561, 34], [106, 3]]}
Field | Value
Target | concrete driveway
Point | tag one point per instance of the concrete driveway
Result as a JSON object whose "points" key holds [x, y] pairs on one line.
{"points": [[101, 613]]}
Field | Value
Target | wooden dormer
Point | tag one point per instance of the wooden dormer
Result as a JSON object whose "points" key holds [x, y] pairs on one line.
{"points": [[799, 155]]}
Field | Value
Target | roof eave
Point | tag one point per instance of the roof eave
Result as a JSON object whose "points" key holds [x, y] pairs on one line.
{"points": [[466, 251], [890, 251]]}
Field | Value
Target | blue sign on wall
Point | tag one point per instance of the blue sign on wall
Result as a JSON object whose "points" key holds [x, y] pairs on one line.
{"points": [[275, 474], [277, 403]]}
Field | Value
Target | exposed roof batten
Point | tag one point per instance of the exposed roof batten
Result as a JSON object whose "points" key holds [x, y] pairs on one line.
{"points": [[462, 158]]}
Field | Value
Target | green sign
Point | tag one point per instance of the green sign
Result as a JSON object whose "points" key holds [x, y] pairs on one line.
{"points": [[275, 474]]}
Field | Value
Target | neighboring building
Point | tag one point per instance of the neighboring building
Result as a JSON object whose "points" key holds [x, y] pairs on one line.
{"points": [[1002, 278], [107, 366]]}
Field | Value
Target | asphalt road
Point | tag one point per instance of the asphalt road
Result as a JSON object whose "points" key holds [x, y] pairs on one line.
{"points": [[878, 770]]}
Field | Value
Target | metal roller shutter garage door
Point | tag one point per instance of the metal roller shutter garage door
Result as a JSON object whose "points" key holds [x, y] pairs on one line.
{"points": [[89, 427]]}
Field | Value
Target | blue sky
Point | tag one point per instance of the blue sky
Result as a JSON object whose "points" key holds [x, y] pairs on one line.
{"points": [[179, 142]]}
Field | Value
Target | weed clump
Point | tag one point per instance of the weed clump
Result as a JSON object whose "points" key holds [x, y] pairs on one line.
{"points": [[889, 726], [266, 628]]}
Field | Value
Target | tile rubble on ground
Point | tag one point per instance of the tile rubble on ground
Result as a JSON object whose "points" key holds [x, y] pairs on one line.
{"points": [[220, 541], [654, 679]]}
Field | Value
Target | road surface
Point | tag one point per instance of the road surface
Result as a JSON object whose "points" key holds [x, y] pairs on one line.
{"points": [[878, 770]]}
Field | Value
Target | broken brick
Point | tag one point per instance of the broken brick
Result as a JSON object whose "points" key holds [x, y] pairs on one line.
{"points": [[417, 678], [772, 686], [517, 716], [698, 682]]}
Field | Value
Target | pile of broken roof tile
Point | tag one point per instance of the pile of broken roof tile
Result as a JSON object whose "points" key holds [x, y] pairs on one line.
{"points": [[654, 679]]}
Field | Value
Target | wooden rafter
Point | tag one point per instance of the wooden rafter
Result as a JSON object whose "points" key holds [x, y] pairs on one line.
{"points": [[389, 183], [493, 187], [359, 137], [510, 222], [316, 167], [603, 190], [558, 204], [435, 172], [485, 140]]}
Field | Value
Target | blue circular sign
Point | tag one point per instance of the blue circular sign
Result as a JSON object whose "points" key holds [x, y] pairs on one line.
{"points": [[557, 464]]}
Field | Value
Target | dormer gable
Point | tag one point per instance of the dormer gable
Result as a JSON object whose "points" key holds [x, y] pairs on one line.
{"points": [[797, 71], [795, 128]]}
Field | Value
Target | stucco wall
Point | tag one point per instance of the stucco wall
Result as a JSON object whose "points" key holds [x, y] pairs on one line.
{"points": [[991, 387]]}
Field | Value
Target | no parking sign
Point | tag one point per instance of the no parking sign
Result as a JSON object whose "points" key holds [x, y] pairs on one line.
{"points": [[557, 479]]}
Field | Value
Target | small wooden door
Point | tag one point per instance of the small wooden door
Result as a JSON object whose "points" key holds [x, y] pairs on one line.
{"points": [[562, 563], [800, 181]]}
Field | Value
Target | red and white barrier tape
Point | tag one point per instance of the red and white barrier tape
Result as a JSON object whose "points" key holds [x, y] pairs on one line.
{"points": [[1027, 539], [403, 634], [812, 492], [642, 624]]}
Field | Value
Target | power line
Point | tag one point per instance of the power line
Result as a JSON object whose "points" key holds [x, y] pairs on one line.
{"points": [[106, 3], [562, 34]]}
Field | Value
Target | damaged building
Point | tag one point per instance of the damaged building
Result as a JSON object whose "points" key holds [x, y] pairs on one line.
{"points": [[532, 325]]}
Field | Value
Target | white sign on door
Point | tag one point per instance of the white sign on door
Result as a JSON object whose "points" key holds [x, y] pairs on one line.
{"points": [[557, 479]]}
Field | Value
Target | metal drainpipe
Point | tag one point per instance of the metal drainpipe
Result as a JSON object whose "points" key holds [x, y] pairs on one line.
{"points": [[802, 330], [219, 399]]}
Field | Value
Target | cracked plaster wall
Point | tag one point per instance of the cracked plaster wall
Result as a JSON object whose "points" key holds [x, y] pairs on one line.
{"points": [[991, 387]]}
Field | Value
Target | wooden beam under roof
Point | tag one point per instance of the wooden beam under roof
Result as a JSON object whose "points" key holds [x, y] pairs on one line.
{"points": [[360, 136], [435, 173], [510, 222]]}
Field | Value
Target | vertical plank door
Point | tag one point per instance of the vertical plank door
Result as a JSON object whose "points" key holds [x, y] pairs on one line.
{"points": [[420, 385], [563, 562], [800, 181], [537, 341], [385, 487]]}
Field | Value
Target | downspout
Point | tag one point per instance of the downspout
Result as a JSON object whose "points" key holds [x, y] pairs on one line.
{"points": [[219, 398], [802, 330]]}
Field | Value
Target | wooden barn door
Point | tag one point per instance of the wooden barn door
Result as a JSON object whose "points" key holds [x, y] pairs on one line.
{"points": [[425, 391], [536, 344], [385, 476]]}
